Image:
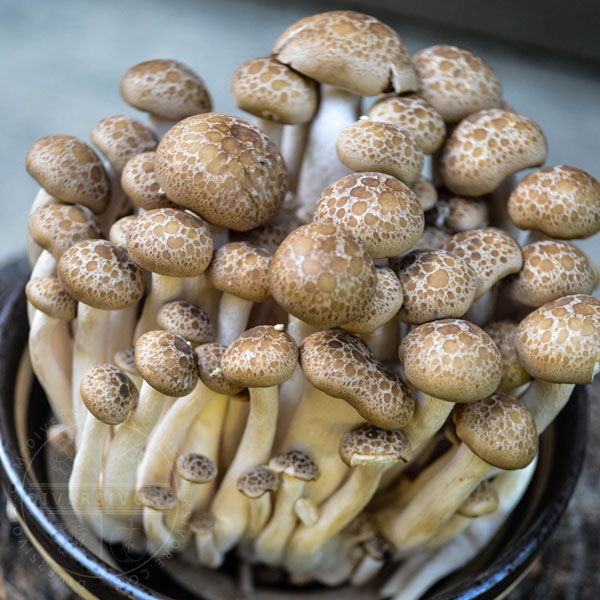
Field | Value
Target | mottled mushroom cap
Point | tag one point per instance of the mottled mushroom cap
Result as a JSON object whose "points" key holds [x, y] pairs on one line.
{"points": [[486, 148], [432, 239], [196, 468], [560, 341], [48, 295], [382, 212], [100, 274], [118, 231], [342, 365], [108, 393], [347, 50], [256, 481], [187, 320], [368, 444], [267, 236], [499, 429], [210, 368], [157, 497], [167, 362], [513, 374], [125, 360], [462, 214], [483, 500], [562, 202], [139, 182], [223, 168], [170, 242], [165, 88], [382, 147], [452, 360], [322, 275], [425, 192], [69, 170], [202, 523], [295, 463], [456, 82]]}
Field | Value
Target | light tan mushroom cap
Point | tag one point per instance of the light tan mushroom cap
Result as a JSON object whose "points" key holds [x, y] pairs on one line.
{"points": [[368, 444], [456, 82], [342, 365], [157, 497], [100, 274], [562, 202], [187, 320], [118, 231], [499, 429], [483, 500], [165, 88], [436, 284], [167, 362], [202, 523], [560, 341], [125, 360], [256, 481], [432, 239], [48, 295], [295, 463], [210, 368], [108, 393], [462, 214], [513, 374], [378, 209], [139, 182], [268, 236], [69, 170], [322, 275], [486, 148], [348, 50], [425, 192], [170, 242], [60, 439], [223, 168], [196, 468], [375, 146], [452, 360]]}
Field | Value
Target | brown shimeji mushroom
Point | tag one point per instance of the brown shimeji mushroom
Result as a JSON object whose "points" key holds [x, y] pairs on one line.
{"points": [[125, 360], [139, 182], [267, 236], [34, 250], [118, 231], [432, 239], [202, 525], [256, 483], [425, 192], [461, 214]]}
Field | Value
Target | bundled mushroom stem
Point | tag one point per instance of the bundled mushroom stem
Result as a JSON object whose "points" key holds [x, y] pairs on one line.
{"points": [[233, 428], [294, 140], [163, 289]]}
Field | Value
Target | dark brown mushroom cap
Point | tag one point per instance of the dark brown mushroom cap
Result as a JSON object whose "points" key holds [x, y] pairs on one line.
{"points": [[139, 182], [187, 320], [170, 242], [513, 374], [165, 88], [256, 481], [499, 429], [210, 357], [125, 360], [295, 463], [157, 497], [451, 359], [261, 357], [108, 393], [368, 444], [167, 362], [69, 170], [342, 365], [196, 468], [322, 275], [267, 236], [223, 168], [100, 274], [202, 522], [118, 231], [483, 500], [48, 295]]}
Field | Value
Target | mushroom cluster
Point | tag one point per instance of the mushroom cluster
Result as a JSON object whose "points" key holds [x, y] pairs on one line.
{"points": [[284, 338]]}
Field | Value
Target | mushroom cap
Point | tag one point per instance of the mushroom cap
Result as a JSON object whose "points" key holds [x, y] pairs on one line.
{"points": [[48, 295], [499, 429], [368, 444], [202, 522], [452, 360], [436, 284], [382, 147], [342, 365], [271, 90], [415, 115], [210, 357], [165, 88], [382, 212], [69, 170], [432, 239], [187, 320], [378, 548], [347, 50], [483, 500], [513, 374], [60, 439], [322, 275], [560, 201], [118, 231], [157, 497], [268, 236], [256, 481], [425, 192], [100, 274], [456, 82], [550, 270], [462, 214], [108, 393], [196, 468], [295, 463], [560, 341], [170, 242], [487, 147], [125, 360], [139, 182], [167, 362], [241, 269], [223, 168]]}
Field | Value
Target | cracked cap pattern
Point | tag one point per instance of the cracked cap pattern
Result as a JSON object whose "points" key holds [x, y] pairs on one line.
{"points": [[157, 497], [196, 468], [118, 231], [48, 295], [295, 463], [187, 320], [513, 374], [368, 445], [210, 357], [139, 182], [256, 481], [124, 359], [483, 500]]}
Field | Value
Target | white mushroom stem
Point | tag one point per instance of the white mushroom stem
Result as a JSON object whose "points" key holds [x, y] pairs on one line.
{"points": [[233, 429], [44, 267], [120, 332], [208, 553], [482, 309], [366, 570], [260, 511], [117, 199], [383, 342], [160, 125], [273, 129], [233, 317], [293, 144], [163, 289], [306, 510], [545, 400]]}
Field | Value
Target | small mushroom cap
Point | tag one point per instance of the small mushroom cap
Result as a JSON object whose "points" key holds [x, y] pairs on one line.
{"points": [[452, 360], [125, 360], [210, 357], [425, 192], [415, 115], [139, 182], [368, 444], [118, 231], [378, 209], [223, 168], [560, 341], [487, 147], [202, 522], [295, 463], [108, 393], [170, 242], [100, 274], [456, 82], [462, 214], [261, 357], [187, 320], [432, 239], [48, 295], [157, 497], [69, 170], [167, 362], [382, 147], [513, 374], [60, 438], [436, 284], [241, 269], [322, 275], [165, 88], [483, 500], [347, 50], [342, 365], [378, 548], [196, 468], [268, 236], [499, 429], [256, 481], [562, 202]]}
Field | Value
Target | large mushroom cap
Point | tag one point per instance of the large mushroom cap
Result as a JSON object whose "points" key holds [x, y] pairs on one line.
{"points": [[295, 463], [196, 468], [256, 481], [368, 444], [139, 182], [210, 368], [513, 374], [48, 295], [187, 320]]}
